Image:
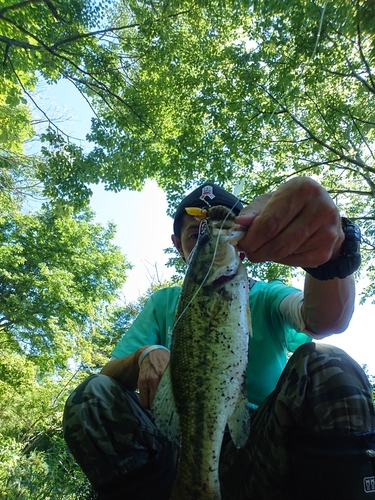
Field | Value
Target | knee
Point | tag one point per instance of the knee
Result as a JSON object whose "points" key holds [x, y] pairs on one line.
{"points": [[93, 387], [91, 402], [326, 366], [90, 398], [325, 355], [330, 389]]}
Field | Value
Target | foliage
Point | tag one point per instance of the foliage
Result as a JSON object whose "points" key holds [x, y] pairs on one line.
{"points": [[60, 280], [58, 270], [242, 93], [34, 460], [236, 92], [232, 93]]}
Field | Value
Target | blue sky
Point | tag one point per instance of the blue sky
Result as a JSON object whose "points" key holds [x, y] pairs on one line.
{"points": [[144, 229], [143, 232]]}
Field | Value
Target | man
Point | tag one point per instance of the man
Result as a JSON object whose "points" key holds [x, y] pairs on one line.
{"points": [[321, 392]]}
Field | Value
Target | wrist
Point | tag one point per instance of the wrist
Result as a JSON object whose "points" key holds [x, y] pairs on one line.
{"points": [[138, 354], [338, 248], [146, 351], [348, 259]]}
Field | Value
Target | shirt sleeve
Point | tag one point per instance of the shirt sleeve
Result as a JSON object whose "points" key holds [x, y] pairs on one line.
{"points": [[283, 303], [153, 325], [291, 309], [144, 331]]}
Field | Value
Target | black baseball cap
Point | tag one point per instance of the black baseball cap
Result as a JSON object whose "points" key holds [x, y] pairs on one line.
{"points": [[205, 196]]}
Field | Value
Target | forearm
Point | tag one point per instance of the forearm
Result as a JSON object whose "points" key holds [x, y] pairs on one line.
{"points": [[328, 305], [124, 370]]}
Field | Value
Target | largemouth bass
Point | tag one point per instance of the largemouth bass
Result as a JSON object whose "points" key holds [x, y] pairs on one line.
{"points": [[203, 388]]}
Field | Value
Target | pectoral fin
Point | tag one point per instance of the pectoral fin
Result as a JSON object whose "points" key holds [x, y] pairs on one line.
{"points": [[164, 409], [239, 422]]}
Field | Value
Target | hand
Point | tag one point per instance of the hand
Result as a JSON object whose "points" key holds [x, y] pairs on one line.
{"points": [[297, 225], [152, 368]]}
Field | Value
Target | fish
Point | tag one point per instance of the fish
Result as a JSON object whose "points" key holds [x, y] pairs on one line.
{"points": [[202, 390]]}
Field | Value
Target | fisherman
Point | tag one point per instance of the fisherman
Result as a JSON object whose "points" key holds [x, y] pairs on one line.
{"points": [[312, 418]]}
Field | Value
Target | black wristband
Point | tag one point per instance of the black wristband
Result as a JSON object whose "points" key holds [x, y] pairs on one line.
{"points": [[349, 259]]}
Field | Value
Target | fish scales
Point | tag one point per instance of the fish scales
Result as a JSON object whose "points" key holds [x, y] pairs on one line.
{"points": [[206, 373]]}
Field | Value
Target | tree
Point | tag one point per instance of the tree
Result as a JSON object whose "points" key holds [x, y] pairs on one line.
{"points": [[229, 91], [239, 93], [60, 279], [58, 273], [255, 94], [34, 460]]}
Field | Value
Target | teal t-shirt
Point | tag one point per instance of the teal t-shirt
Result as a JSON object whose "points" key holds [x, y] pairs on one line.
{"points": [[272, 337]]}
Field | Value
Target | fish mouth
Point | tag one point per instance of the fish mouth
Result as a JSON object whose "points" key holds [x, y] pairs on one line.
{"points": [[223, 279]]}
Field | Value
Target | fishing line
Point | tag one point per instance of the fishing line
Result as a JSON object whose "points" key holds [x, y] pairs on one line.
{"points": [[210, 267]]}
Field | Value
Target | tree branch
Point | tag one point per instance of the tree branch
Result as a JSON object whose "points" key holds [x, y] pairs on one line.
{"points": [[315, 138], [5, 323], [17, 43], [363, 58], [79, 36], [35, 103], [54, 12], [83, 95], [331, 131], [96, 84], [92, 34], [351, 191], [359, 77], [361, 135], [316, 164], [337, 73], [19, 5]]}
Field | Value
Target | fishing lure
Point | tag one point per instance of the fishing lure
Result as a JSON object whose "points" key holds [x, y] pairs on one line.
{"points": [[198, 213]]}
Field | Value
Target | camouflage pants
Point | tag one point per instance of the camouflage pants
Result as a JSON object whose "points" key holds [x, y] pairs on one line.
{"points": [[124, 456]]}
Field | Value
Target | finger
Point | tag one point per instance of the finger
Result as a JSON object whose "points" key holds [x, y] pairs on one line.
{"points": [[301, 245], [144, 397], [273, 236], [251, 211], [256, 206], [318, 249], [290, 218]]}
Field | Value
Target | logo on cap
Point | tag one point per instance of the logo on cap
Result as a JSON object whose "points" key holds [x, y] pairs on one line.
{"points": [[207, 191]]}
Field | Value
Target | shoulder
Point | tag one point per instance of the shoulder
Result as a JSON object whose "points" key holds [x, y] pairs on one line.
{"points": [[165, 294], [164, 301]]}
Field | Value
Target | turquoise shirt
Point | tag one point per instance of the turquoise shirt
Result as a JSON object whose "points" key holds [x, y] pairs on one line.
{"points": [[272, 337]]}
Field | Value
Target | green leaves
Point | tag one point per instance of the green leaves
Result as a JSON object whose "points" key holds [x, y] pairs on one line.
{"points": [[225, 92], [181, 92], [187, 91], [57, 269]]}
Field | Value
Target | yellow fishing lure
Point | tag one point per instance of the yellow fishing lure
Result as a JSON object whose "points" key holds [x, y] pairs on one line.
{"points": [[198, 213]]}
